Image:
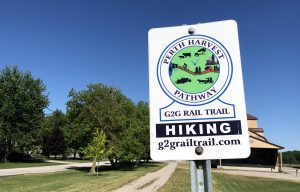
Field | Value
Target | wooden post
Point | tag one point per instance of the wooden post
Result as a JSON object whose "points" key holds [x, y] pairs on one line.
{"points": [[280, 162]]}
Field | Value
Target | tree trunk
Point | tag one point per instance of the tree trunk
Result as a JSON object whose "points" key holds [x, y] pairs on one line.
{"points": [[5, 152], [98, 169], [74, 157], [92, 170], [5, 157]]}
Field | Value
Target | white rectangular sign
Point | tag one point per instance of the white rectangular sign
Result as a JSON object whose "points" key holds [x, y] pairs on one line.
{"points": [[197, 105]]}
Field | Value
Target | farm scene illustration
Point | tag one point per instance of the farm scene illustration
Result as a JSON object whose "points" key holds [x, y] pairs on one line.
{"points": [[194, 69]]}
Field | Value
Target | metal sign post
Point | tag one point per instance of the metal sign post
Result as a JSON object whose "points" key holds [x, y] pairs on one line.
{"points": [[193, 177], [200, 176], [206, 166]]}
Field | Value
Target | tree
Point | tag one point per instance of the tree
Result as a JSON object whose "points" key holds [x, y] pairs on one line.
{"points": [[97, 150], [135, 139], [297, 155], [55, 120], [142, 115], [291, 157], [78, 129], [22, 101], [56, 144], [132, 149], [125, 124], [102, 107]]}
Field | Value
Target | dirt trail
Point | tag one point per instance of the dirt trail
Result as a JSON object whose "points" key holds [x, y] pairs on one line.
{"points": [[151, 181]]}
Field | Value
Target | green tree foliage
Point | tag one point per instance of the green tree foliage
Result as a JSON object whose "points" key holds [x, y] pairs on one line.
{"points": [[55, 120], [55, 144], [100, 107], [291, 157], [142, 116], [22, 101], [97, 150], [79, 129], [297, 155], [135, 140], [125, 124]]}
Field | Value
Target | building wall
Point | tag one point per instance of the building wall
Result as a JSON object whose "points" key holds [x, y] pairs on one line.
{"points": [[263, 153], [259, 158], [252, 123]]}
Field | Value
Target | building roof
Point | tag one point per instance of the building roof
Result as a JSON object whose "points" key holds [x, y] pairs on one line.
{"points": [[261, 130], [256, 142], [255, 134], [251, 117]]}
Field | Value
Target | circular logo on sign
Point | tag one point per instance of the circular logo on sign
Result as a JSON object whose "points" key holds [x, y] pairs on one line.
{"points": [[194, 70]]}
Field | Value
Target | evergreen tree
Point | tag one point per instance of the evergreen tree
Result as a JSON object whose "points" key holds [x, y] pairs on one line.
{"points": [[56, 119], [56, 144]]}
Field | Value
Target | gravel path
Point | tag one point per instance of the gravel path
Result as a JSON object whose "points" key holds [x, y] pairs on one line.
{"points": [[46, 169], [150, 182], [287, 174]]}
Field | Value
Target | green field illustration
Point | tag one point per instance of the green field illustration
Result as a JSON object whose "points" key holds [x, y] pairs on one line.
{"points": [[194, 69]]}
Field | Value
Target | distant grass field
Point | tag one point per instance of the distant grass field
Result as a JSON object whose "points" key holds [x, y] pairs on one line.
{"points": [[75, 180], [9, 165], [228, 183]]}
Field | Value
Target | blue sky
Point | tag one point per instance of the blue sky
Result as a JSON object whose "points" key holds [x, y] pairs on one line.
{"points": [[70, 43]]}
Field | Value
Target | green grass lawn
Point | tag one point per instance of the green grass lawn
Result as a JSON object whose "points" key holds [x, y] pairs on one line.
{"points": [[75, 180], [72, 160], [234, 183], [9, 165], [228, 183], [296, 166], [179, 181]]}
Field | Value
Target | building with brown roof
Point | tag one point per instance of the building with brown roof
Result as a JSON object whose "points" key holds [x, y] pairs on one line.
{"points": [[263, 152]]}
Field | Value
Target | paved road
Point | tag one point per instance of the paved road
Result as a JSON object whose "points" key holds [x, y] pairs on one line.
{"points": [[46, 169], [151, 182], [287, 174]]}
